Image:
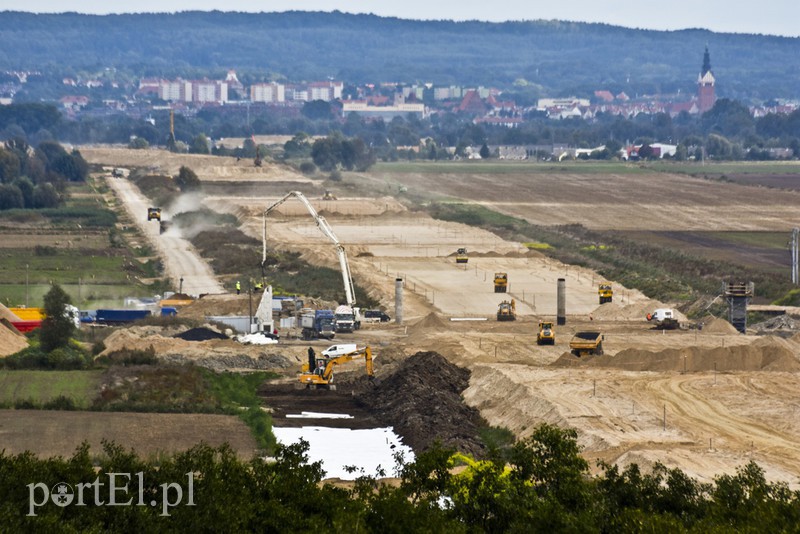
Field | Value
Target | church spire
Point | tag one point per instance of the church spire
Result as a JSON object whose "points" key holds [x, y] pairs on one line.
{"points": [[706, 63]]}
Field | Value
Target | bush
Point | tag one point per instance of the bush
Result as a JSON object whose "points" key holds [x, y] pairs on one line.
{"points": [[127, 357], [60, 403], [308, 168]]}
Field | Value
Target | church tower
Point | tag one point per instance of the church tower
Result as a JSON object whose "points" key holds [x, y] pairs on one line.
{"points": [[705, 86]]}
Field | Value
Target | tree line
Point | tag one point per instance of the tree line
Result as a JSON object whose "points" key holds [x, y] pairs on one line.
{"points": [[540, 484]]}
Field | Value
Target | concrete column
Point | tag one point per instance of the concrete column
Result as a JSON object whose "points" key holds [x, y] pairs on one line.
{"points": [[561, 307], [398, 300]]}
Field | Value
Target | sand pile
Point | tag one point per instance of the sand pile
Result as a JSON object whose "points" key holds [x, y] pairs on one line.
{"points": [[768, 354], [11, 340], [431, 321], [781, 322], [717, 325]]}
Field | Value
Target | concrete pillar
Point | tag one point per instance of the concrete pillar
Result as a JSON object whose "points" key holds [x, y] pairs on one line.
{"points": [[398, 300], [561, 307]]}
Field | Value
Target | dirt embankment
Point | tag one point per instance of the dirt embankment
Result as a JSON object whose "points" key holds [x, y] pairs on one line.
{"points": [[421, 399]]}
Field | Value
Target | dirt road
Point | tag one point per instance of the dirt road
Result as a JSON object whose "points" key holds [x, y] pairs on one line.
{"points": [[183, 265]]}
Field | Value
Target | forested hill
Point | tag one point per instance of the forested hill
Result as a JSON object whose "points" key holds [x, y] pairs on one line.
{"points": [[552, 57]]}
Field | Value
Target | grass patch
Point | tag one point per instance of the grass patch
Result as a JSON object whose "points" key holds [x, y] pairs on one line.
{"points": [[42, 387], [186, 389]]}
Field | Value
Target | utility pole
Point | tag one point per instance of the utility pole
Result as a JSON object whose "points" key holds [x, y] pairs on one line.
{"points": [[26, 285]]}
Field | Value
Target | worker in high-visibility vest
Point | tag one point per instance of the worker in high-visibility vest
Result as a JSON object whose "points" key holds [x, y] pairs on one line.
{"points": [[238, 287]]}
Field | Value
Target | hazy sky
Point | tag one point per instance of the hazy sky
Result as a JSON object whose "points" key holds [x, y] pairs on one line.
{"points": [[772, 17]]}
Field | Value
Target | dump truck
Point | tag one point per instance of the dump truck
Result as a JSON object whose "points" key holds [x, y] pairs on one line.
{"points": [[586, 343], [318, 324], [153, 214], [664, 319], [345, 319], [461, 256], [605, 292], [500, 282], [321, 375], [507, 311], [546, 335]]}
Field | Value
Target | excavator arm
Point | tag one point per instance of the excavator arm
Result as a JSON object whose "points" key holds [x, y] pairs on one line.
{"points": [[325, 378]]}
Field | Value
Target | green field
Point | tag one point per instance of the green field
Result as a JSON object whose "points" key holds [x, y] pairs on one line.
{"points": [[42, 386]]}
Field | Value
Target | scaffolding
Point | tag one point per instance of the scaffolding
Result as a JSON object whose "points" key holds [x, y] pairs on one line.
{"points": [[738, 295]]}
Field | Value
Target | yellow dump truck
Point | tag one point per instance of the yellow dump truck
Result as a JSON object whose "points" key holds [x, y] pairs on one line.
{"points": [[546, 335], [586, 343], [605, 292], [500, 282]]}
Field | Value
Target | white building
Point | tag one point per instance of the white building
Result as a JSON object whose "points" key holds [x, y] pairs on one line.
{"points": [[268, 92]]}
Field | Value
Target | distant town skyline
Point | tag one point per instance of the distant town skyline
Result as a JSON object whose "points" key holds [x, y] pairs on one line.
{"points": [[769, 17]]}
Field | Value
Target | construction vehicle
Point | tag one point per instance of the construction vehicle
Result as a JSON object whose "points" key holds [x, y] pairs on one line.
{"points": [[605, 292], [586, 343], [153, 214], [461, 256], [664, 319], [344, 319], [500, 282], [322, 224], [321, 375], [507, 311], [546, 335], [318, 324], [329, 196]]}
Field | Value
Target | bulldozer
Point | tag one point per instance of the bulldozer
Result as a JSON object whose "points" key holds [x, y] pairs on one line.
{"points": [[500, 282], [507, 311], [605, 292], [153, 214], [321, 375], [461, 256], [546, 335]]}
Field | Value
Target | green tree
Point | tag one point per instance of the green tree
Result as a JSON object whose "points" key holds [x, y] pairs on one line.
{"points": [[26, 188], [11, 197], [139, 143], [187, 180], [9, 166], [199, 145], [57, 327], [484, 152], [45, 196]]}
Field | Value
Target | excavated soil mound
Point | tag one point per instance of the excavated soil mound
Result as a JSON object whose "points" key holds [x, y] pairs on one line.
{"points": [[781, 323], [769, 354], [11, 340], [431, 321], [715, 325], [200, 334], [422, 400]]}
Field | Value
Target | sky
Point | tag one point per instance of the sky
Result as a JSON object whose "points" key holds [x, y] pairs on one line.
{"points": [[768, 17]]}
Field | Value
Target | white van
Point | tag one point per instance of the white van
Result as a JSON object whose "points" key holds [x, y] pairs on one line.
{"points": [[339, 350]]}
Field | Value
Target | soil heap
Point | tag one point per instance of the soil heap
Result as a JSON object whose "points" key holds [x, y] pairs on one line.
{"points": [[11, 340], [421, 399]]}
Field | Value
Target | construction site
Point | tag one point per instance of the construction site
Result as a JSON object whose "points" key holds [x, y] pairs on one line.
{"points": [[482, 330]]}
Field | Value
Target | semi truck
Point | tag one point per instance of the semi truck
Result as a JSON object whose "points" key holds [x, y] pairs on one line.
{"points": [[318, 324], [116, 317], [345, 319]]}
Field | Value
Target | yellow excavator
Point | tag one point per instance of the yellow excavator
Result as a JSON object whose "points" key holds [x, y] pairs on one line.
{"points": [[507, 311], [321, 375]]}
